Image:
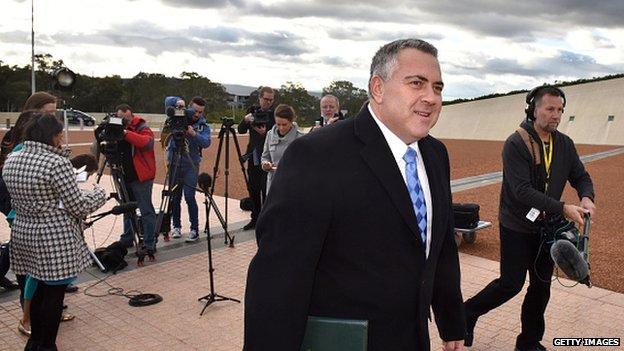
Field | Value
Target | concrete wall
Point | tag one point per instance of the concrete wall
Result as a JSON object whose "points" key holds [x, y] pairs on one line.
{"points": [[495, 119]]}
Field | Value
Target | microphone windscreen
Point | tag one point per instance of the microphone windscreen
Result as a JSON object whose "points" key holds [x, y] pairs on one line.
{"points": [[204, 181], [124, 208], [569, 260]]}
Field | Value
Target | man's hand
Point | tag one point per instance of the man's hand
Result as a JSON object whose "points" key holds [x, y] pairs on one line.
{"points": [[332, 120], [260, 129], [190, 131], [457, 345], [267, 166], [249, 118], [588, 204], [574, 213]]}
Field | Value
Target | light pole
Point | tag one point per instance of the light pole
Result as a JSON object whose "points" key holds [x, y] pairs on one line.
{"points": [[32, 47]]}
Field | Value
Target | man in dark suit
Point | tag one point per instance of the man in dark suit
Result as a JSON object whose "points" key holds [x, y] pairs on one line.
{"points": [[379, 245]]}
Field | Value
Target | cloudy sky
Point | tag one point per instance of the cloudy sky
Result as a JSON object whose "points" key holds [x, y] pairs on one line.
{"points": [[485, 46]]}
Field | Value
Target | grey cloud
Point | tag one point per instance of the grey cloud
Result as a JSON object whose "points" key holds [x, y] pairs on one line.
{"points": [[526, 19], [16, 36], [601, 42], [202, 4], [365, 34], [565, 64], [195, 40], [517, 20]]}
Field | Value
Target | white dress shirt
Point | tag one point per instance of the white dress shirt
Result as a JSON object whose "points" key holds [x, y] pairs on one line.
{"points": [[398, 148]]}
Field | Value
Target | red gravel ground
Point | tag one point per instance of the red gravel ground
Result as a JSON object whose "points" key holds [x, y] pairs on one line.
{"points": [[470, 158]]}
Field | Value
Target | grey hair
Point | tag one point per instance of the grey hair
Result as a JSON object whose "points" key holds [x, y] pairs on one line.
{"points": [[330, 96], [385, 59]]}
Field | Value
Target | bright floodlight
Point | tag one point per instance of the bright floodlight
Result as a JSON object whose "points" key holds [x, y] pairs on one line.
{"points": [[63, 78]]}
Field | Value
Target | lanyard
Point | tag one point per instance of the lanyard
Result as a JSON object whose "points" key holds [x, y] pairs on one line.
{"points": [[548, 158]]}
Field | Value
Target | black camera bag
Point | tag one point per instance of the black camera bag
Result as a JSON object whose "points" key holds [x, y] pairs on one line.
{"points": [[112, 256], [466, 215]]}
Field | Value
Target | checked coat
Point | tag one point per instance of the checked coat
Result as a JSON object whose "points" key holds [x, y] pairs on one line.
{"points": [[46, 236]]}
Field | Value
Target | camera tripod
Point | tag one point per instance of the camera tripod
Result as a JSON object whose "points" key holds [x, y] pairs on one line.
{"points": [[212, 296], [170, 185], [122, 196], [174, 184], [224, 134]]}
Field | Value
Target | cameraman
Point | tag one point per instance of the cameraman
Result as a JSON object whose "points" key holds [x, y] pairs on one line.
{"points": [[538, 160], [197, 137], [258, 120], [136, 152]]}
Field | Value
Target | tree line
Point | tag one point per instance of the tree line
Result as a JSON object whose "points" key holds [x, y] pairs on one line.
{"points": [[146, 92]]}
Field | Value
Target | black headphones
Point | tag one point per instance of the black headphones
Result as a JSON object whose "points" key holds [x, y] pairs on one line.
{"points": [[530, 99]]}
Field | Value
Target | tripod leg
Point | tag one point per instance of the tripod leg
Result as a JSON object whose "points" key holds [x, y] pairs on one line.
{"points": [[240, 157], [212, 296]]}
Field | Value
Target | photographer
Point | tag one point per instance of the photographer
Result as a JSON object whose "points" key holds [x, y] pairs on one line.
{"points": [[538, 160], [136, 152], [184, 175], [258, 120], [46, 236]]}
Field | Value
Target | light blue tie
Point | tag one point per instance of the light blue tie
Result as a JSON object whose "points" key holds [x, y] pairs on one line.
{"points": [[416, 192]]}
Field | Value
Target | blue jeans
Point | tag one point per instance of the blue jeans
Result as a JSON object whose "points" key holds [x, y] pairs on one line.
{"points": [[186, 177], [141, 192]]}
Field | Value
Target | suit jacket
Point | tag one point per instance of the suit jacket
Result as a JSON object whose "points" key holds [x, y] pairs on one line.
{"points": [[360, 255]]}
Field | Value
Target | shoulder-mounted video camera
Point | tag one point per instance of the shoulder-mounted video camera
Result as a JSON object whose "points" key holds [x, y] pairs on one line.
{"points": [[109, 133], [178, 116]]}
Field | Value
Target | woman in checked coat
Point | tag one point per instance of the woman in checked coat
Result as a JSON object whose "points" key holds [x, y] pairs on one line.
{"points": [[46, 236]]}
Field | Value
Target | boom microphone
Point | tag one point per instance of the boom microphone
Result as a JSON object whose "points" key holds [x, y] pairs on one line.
{"points": [[570, 261], [124, 208], [204, 181]]}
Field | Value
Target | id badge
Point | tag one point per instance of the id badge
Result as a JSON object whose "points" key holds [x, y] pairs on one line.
{"points": [[533, 214]]}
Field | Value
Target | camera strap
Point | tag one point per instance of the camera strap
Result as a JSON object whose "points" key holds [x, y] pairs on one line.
{"points": [[531, 146]]}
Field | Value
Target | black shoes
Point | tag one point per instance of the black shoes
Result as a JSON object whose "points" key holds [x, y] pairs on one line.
{"points": [[536, 347], [71, 288], [250, 225]]}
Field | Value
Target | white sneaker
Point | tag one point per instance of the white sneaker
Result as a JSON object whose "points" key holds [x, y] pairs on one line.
{"points": [[192, 236], [176, 233]]}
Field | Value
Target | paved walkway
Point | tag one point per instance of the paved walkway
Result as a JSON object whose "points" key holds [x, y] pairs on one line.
{"points": [[109, 323]]}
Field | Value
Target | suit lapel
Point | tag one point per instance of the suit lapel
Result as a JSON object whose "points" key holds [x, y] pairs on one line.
{"points": [[377, 155], [432, 166]]}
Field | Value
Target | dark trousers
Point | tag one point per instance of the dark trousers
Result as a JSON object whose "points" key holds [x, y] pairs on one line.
{"points": [[257, 188], [21, 281], [45, 316], [520, 252]]}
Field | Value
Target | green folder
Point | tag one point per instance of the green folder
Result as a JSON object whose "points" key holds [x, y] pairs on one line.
{"points": [[333, 334]]}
